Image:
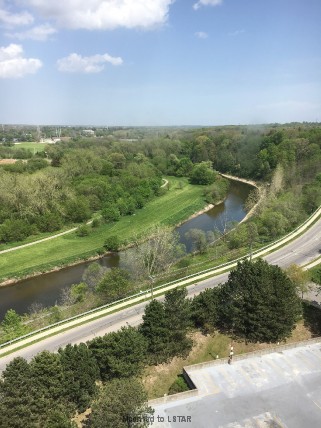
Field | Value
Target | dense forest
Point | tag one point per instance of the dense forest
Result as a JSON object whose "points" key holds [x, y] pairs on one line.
{"points": [[117, 172]]}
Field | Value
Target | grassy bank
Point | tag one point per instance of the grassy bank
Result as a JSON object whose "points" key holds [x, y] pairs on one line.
{"points": [[177, 204]]}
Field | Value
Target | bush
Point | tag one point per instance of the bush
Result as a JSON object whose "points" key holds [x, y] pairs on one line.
{"points": [[16, 230], [83, 230], [112, 243], [78, 291], [49, 222], [111, 213], [95, 223], [179, 385]]}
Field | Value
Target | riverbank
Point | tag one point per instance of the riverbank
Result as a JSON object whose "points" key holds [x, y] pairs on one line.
{"points": [[174, 208], [251, 183], [169, 209]]}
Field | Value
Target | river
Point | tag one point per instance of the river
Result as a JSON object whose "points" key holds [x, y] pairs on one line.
{"points": [[46, 289]]}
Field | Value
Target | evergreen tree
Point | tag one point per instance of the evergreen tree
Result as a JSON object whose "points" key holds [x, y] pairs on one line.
{"points": [[204, 308], [155, 329], [48, 386], [259, 302], [178, 318], [80, 372], [15, 395], [122, 403], [57, 419], [119, 354]]}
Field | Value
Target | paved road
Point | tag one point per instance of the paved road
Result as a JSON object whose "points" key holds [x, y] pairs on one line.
{"points": [[300, 251]]}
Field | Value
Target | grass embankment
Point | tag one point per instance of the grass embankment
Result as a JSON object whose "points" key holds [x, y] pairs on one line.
{"points": [[158, 379], [177, 204]]}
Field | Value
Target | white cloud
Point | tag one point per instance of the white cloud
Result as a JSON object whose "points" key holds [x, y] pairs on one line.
{"points": [[75, 63], [207, 3], [102, 14], [15, 19], [201, 35], [40, 33], [14, 65]]}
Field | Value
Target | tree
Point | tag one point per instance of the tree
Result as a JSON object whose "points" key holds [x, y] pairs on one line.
{"points": [[202, 173], [112, 243], [157, 254], [114, 284], [123, 403], [111, 213], [80, 372], [155, 329], [48, 385], [12, 324], [93, 274], [259, 302], [300, 278], [15, 395], [204, 312], [58, 419], [177, 313], [198, 238], [119, 354]]}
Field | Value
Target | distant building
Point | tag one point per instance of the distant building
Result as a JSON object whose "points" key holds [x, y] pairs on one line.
{"points": [[89, 132]]}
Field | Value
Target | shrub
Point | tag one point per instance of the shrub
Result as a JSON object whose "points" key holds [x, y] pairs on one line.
{"points": [[179, 385], [83, 230]]}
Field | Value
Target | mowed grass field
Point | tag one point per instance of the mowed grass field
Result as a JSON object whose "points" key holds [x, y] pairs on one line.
{"points": [[33, 147], [177, 204]]}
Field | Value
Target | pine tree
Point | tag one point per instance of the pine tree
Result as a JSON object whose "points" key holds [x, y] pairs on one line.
{"points": [[120, 403], [80, 372], [178, 318], [204, 308], [155, 329], [15, 395], [48, 386], [120, 354], [259, 302]]}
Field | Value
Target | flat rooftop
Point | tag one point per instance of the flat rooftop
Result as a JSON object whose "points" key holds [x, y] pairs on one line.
{"points": [[277, 389]]}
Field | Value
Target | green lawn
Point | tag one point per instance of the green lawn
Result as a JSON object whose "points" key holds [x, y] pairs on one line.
{"points": [[175, 205], [33, 147]]}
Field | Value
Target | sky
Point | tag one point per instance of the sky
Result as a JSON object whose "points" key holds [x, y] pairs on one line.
{"points": [[159, 62]]}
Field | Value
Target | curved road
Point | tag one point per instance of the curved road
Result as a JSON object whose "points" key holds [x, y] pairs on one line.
{"points": [[301, 251]]}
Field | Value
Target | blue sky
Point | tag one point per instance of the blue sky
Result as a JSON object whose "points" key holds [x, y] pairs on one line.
{"points": [[160, 62]]}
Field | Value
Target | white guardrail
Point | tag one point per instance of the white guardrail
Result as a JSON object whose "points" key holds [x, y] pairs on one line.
{"points": [[203, 273]]}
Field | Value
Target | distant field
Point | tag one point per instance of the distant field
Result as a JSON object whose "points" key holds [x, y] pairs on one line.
{"points": [[176, 205], [33, 147]]}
